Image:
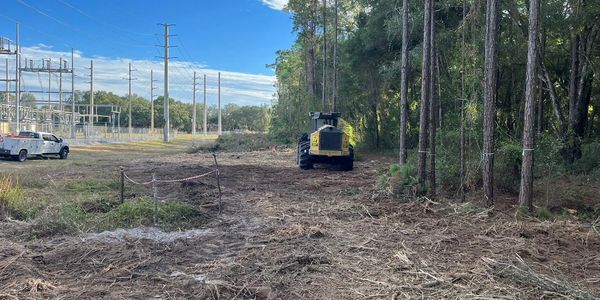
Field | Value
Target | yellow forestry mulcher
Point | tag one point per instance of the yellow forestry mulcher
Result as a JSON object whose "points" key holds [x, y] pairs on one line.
{"points": [[327, 144]]}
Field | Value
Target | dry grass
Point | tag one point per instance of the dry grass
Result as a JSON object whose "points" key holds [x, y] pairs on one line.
{"points": [[291, 234]]}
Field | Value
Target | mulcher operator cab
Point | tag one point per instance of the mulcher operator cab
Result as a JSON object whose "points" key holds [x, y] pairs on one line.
{"points": [[327, 144]]}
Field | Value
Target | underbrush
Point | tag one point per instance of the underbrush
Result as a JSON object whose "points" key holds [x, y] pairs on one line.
{"points": [[12, 200], [560, 190], [238, 142], [76, 218], [400, 181], [86, 205]]}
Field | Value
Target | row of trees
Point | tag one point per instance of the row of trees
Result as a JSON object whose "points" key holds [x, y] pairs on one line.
{"points": [[469, 77], [234, 117]]}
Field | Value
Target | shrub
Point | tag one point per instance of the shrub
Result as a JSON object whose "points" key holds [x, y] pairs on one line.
{"points": [[400, 181], [590, 159], [508, 167], [140, 212], [548, 159], [238, 142], [11, 198]]}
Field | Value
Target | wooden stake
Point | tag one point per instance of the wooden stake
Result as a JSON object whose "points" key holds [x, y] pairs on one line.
{"points": [[155, 198], [218, 182], [122, 185]]}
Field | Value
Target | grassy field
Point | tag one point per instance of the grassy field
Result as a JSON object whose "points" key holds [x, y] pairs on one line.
{"points": [[82, 193]]}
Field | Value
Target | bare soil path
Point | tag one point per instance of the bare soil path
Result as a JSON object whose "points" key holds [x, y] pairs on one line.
{"points": [[319, 234]]}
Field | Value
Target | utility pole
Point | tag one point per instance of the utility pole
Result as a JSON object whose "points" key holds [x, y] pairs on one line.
{"points": [[129, 105], [219, 104], [324, 96], [152, 88], [91, 110], [166, 137], [205, 109], [72, 94], [49, 85], [18, 83], [7, 98], [335, 45], [194, 105], [60, 99]]}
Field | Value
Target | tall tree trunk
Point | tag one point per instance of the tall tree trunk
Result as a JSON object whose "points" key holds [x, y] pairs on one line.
{"points": [[580, 84], [335, 47], [540, 90], [425, 93], [489, 100], [540, 107], [310, 68], [311, 56], [404, 83], [432, 103], [462, 106], [568, 152], [373, 92], [511, 102], [584, 87], [526, 193], [556, 107], [324, 96]]}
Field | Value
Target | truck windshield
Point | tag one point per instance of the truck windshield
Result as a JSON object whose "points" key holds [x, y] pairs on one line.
{"points": [[29, 134], [321, 122]]}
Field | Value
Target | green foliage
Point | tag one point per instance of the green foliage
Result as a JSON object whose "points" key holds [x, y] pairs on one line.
{"points": [[590, 160], [400, 181], [591, 214], [248, 118], [11, 198], [84, 217], [508, 167], [91, 185], [244, 142], [548, 160], [139, 212], [544, 214], [252, 118]]}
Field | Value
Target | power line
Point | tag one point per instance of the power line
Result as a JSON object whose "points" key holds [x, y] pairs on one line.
{"points": [[91, 17], [39, 11]]}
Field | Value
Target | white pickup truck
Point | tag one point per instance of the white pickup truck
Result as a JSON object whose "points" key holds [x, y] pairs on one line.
{"points": [[32, 143]]}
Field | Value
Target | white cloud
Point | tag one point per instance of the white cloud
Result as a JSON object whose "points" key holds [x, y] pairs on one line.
{"points": [[110, 74], [275, 4], [44, 46]]}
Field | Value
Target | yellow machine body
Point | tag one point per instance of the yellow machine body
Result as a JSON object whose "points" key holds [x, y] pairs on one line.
{"points": [[322, 144]]}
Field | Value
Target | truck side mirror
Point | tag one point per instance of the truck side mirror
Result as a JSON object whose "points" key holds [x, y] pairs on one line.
{"points": [[60, 140]]}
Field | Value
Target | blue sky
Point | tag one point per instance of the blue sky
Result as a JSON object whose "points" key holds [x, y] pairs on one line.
{"points": [[237, 37]]}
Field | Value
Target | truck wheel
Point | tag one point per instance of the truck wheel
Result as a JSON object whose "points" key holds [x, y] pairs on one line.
{"points": [[347, 163], [303, 138], [304, 160], [22, 155], [64, 153]]}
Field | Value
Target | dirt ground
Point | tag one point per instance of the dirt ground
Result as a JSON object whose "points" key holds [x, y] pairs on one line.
{"points": [[291, 234]]}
